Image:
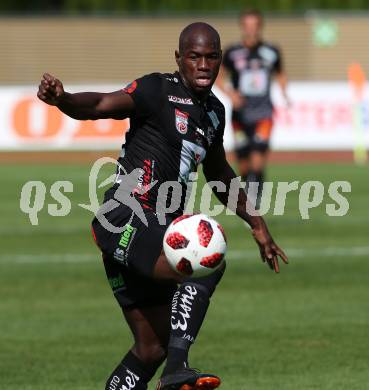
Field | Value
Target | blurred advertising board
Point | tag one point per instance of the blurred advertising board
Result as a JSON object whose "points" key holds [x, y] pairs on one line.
{"points": [[26, 123], [321, 117]]}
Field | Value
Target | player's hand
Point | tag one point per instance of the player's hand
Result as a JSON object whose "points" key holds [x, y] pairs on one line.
{"points": [[50, 90], [238, 101], [269, 250]]}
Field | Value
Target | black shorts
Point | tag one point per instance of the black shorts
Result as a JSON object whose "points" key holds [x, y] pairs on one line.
{"points": [[130, 256], [252, 136], [133, 290]]}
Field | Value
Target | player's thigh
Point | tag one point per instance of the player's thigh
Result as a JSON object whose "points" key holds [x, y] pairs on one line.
{"points": [[135, 291], [263, 130], [241, 134], [139, 243], [259, 135], [163, 271]]}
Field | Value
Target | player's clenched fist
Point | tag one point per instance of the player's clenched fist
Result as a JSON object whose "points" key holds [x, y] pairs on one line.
{"points": [[50, 90]]}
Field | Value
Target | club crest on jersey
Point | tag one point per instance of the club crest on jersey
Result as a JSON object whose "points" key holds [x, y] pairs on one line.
{"points": [[181, 121]]}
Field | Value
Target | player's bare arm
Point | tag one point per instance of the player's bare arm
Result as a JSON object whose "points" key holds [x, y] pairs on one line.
{"points": [[216, 167], [282, 81], [85, 105]]}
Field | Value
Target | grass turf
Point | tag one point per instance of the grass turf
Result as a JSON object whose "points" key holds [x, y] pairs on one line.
{"points": [[306, 328]]}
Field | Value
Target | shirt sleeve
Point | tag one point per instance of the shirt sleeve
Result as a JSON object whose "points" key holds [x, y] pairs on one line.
{"points": [[145, 92], [218, 140]]}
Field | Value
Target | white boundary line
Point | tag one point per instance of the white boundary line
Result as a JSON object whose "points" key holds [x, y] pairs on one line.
{"points": [[58, 258]]}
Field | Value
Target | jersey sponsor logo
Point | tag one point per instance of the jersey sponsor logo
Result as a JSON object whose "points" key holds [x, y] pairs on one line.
{"points": [[254, 82], [144, 182], [130, 87], [180, 100], [181, 121]]}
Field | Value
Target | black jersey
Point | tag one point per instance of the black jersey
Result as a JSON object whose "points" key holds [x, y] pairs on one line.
{"points": [[251, 71], [170, 133]]}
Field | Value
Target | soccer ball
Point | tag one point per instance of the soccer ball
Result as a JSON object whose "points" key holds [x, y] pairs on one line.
{"points": [[195, 245]]}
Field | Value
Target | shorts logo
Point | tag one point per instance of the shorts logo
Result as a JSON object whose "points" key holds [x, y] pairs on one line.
{"points": [[182, 121], [120, 254], [116, 282], [176, 99], [126, 236]]}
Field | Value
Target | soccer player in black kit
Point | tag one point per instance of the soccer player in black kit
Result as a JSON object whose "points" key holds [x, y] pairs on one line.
{"points": [[251, 66], [176, 124]]}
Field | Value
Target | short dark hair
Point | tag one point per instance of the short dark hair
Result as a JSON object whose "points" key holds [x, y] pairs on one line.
{"points": [[252, 12]]}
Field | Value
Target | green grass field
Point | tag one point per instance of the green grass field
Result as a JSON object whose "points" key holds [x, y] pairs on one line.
{"points": [[307, 328]]}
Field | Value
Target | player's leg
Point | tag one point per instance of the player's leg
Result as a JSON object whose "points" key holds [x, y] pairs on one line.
{"points": [[150, 329], [146, 305], [243, 166], [141, 258], [257, 160], [242, 146], [189, 306], [258, 155]]}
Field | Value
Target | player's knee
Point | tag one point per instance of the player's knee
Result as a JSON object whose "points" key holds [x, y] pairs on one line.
{"points": [[150, 353], [209, 283]]}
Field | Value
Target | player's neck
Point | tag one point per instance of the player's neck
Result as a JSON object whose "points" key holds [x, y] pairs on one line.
{"points": [[251, 43], [200, 98]]}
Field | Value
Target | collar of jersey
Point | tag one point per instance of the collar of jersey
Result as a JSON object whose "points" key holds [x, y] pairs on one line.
{"points": [[255, 47], [188, 91]]}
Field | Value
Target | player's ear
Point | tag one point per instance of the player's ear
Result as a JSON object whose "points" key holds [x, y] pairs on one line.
{"points": [[178, 57]]}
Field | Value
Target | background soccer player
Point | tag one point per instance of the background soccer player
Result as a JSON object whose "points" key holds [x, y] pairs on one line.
{"points": [[251, 65], [176, 123]]}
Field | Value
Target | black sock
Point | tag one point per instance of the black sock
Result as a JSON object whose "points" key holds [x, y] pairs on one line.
{"points": [[189, 306], [131, 373]]}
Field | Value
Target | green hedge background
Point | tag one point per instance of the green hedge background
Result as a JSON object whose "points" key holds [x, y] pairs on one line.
{"points": [[163, 6]]}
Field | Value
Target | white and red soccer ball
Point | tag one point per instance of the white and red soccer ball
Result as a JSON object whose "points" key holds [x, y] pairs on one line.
{"points": [[195, 245]]}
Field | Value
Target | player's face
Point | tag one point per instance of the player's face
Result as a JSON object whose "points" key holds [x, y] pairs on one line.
{"points": [[251, 28], [199, 65]]}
